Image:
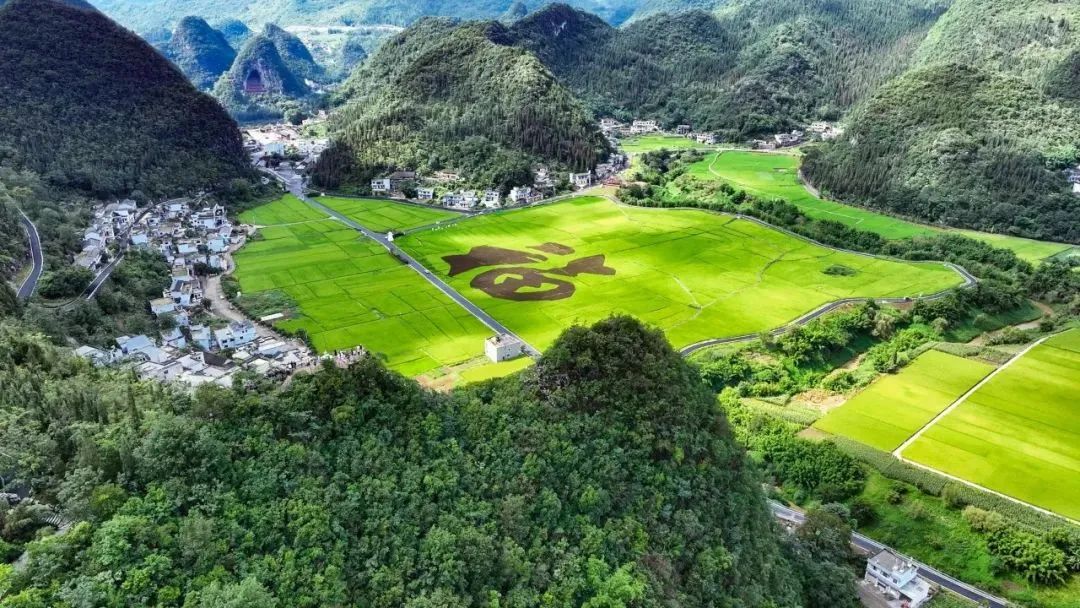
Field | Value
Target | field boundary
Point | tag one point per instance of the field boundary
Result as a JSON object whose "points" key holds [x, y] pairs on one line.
{"points": [[898, 452]]}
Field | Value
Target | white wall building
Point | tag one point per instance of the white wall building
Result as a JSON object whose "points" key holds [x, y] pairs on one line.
{"points": [[897, 579], [503, 347]]}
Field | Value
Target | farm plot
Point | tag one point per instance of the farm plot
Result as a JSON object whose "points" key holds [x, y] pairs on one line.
{"points": [[351, 292], [776, 176], [1019, 434], [694, 274], [893, 408], [641, 144], [382, 215]]}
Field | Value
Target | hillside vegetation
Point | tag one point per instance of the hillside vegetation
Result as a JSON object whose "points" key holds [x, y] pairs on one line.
{"points": [[755, 66], [92, 107], [565, 486], [445, 96], [978, 131], [279, 84], [202, 53]]}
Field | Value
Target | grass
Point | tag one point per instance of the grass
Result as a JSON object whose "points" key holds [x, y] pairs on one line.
{"points": [[640, 144], [694, 274], [893, 408], [350, 292], [1019, 434], [383, 215], [925, 528], [776, 176]]}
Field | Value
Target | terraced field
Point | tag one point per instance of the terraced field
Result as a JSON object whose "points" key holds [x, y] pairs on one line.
{"points": [[893, 408], [351, 292], [696, 275], [382, 215], [1019, 433], [776, 175]]}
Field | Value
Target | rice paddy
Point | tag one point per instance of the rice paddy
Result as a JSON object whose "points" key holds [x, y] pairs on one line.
{"points": [[694, 274], [383, 215], [892, 409], [640, 144], [1019, 433], [776, 176], [351, 292]]}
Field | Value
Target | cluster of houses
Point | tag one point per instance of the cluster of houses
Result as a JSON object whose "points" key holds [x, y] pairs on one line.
{"points": [[282, 139], [818, 131], [1073, 175], [439, 187], [196, 355], [110, 225], [615, 130]]}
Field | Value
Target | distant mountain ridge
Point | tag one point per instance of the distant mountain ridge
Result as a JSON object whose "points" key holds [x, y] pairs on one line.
{"points": [[144, 15], [92, 107]]}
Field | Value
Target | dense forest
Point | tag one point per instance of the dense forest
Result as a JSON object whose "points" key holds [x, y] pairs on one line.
{"points": [[295, 54], [448, 96], [280, 85], [567, 485], [978, 132], [757, 66], [202, 53], [92, 107]]}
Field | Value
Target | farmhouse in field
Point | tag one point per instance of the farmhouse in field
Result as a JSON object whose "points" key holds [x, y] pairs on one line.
{"points": [[503, 348], [581, 180], [897, 580]]}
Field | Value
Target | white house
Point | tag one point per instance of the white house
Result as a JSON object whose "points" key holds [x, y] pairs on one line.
{"points": [[235, 335], [201, 336], [682, 130], [492, 199], [897, 579], [581, 180], [381, 186], [174, 338], [425, 194], [503, 347], [162, 306], [644, 126], [520, 195]]}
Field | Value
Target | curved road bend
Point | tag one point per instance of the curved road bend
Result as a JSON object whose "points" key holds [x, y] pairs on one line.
{"points": [[933, 575], [30, 283], [296, 187]]}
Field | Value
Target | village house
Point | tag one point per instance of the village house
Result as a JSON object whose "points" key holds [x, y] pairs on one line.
{"points": [[425, 194], [788, 139], [897, 579], [608, 124], [201, 336], [235, 335], [521, 195], [503, 347], [398, 179], [173, 338], [682, 130], [581, 180], [447, 176], [381, 186], [492, 199], [639, 127], [162, 306]]}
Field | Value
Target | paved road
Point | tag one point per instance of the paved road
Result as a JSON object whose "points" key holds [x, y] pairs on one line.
{"points": [[870, 545], [295, 185], [30, 283]]}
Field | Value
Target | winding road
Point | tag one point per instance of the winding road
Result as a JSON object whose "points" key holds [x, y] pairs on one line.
{"points": [[30, 283], [869, 545]]}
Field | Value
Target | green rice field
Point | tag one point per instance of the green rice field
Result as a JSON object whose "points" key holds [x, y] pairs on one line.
{"points": [[1019, 434], [641, 144], [776, 176], [895, 407], [383, 216], [694, 274], [351, 292]]}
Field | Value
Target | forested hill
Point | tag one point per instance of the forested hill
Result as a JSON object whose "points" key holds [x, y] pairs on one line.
{"points": [[447, 96], [90, 106], [978, 132], [200, 51], [756, 66], [606, 477]]}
